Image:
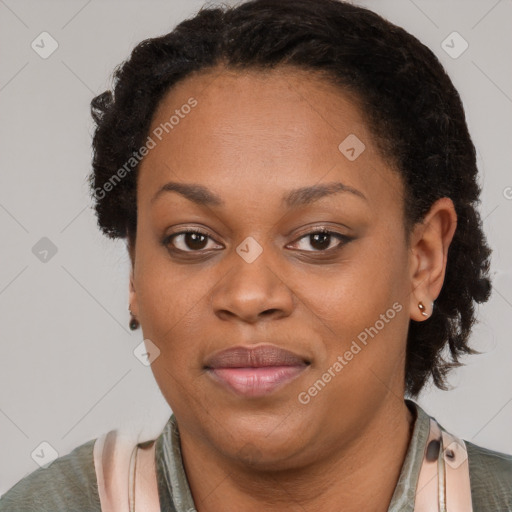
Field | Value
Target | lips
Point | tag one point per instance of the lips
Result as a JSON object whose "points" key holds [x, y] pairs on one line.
{"points": [[255, 371]]}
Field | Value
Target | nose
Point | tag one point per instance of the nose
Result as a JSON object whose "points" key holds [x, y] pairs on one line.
{"points": [[252, 292]]}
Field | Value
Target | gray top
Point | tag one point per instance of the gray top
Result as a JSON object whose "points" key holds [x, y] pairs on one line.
{"points": [[69, 483]]}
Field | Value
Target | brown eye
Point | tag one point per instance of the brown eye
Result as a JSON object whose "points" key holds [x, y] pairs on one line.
{"points": [[322, 241], [188, 241]]}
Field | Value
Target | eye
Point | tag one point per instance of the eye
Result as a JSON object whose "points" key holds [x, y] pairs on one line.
{"points": [[321, 240], [191, 240], [196, 241]]}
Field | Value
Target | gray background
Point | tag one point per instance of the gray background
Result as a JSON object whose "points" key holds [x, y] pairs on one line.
{"points": [[67, 369]]}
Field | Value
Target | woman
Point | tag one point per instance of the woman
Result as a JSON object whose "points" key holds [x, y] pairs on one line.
{"points": [[298, 189]]}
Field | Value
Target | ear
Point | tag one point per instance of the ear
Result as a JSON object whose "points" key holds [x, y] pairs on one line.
{"points": [[133, 306], [429, 243]]}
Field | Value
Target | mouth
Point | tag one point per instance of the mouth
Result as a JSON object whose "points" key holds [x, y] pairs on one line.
{"points": [[256, 371]]}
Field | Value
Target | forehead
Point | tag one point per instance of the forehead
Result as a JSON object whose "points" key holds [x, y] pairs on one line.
{"points": [[260, 130], [281, 106]]}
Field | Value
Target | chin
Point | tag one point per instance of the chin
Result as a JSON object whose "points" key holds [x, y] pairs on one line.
{"points": [[272, 444]]}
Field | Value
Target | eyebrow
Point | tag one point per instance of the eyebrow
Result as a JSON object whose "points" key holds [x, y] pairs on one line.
{"points": [[303, 196]]}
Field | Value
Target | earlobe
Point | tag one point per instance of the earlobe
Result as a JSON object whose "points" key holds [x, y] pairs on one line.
{"points": [[133, 307], [430, 242]]}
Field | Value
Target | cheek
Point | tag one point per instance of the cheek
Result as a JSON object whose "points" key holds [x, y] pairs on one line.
{"points": [[370, 279], [361, 308], [363, 321], [171, 299], [172, 315], [172, 306]]}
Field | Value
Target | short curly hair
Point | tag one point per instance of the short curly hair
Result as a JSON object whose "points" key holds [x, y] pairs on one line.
{"points": [[413, 110]]}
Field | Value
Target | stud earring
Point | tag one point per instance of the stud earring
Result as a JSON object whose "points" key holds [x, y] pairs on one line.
{"points": [[422, 309], [134, 324]]}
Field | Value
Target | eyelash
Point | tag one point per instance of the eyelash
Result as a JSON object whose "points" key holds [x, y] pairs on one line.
{"points": [[344, 239]]}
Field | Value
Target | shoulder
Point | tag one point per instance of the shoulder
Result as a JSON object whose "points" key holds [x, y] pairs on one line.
{"points": [[68, 483], [490, 473]]}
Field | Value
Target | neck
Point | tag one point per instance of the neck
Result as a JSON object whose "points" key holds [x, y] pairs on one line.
{"points": [[362, 476]]}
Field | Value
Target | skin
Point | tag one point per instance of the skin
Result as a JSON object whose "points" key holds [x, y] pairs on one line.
{"points": [[251, 138]]}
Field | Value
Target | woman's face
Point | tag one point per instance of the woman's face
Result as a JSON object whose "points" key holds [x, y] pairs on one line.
{"points": [[277, 343]]}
